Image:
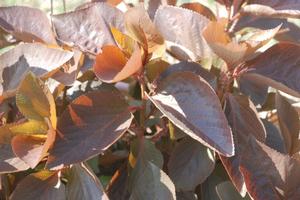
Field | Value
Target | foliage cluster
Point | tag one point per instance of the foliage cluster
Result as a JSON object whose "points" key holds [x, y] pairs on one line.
{"points": [[177, 101]]}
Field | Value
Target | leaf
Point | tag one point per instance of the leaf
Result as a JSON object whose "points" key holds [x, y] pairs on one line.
{"points": [[142, 29], [155, 67], [89, 28], [33, 99], [227, 191], [28, 148], [280, 181], [257, 91], [183, 27], [33, 148], [9, 162], [233, 52], [30, 127], [124, 42], [191, 67], [244, 121], [27, 24], [150, 153], [200, 115], [150, 182], [43, 185], [190, 164], [112, 65], [267, 68], [201, 9], [37, 58], [273, 8], [117, 187], [91, 123], [83, 184], [274, 138], [289, 124]]}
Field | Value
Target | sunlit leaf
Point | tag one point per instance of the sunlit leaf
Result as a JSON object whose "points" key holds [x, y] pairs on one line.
{"points": [[200, 115], [43, 185], [279, 181], [273, 8], [83, 184], [91, 123], [27, 24], [289, 124], [267, 68], [88, 28], [112, 65], [183, 27], [32, 99], [233, 52], [142, 29], [37, 58], [30, 127], [9, 162], [190, 164], [244, 121], [201, 9]]}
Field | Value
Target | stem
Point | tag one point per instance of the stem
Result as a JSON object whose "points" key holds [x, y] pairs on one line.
{"points": [[51, 6], [144, 99], [64, 5]]}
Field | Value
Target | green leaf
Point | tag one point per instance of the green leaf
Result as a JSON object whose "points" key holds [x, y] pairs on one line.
{"points": [[83, 184], [34, 100], [150, 182], [190, 164], [150, 153]]}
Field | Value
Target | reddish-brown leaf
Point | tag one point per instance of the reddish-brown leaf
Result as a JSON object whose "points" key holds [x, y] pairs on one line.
{"points": [[183, 27], [269, 174], [37, 58], [142, 29], [273, 8], [112, 65], [89, 28], [43, 185], [192, 105], [27, 24], [278, 67], [9, 162], [89, 125], [289, 124], [201, 9], [244, 121]]}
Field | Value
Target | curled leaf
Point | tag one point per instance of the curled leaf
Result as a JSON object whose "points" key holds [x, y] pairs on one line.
{"points": [[27, 24], [112, 65]]}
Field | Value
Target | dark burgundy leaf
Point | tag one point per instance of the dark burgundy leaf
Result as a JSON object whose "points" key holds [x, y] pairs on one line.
{"points": [[43, 185], [91, 123], [268, 68], [200, 115]]}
